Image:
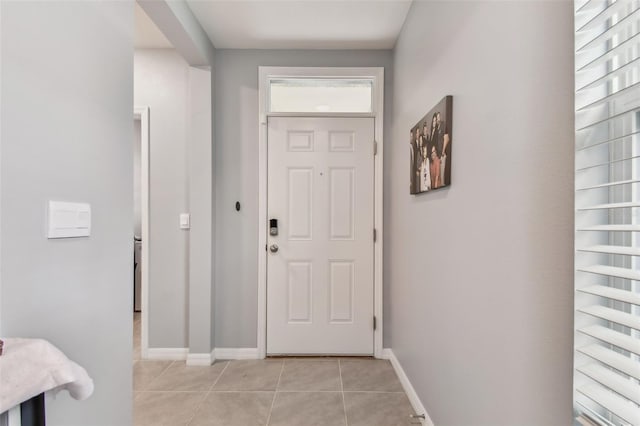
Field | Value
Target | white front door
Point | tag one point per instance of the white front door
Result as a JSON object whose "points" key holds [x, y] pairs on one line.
{"points": [[320, 278]]}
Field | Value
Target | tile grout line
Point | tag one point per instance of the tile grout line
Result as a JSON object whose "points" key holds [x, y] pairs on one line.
{"points": [[275, 393], [197, 408], [219, 376], [344, 405], [206, 394], [159, 375]]}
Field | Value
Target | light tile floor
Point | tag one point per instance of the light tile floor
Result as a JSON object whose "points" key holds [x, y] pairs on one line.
{"points": [[271, 392]]}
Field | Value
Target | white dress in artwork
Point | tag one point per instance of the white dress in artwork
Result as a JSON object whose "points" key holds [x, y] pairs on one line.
{"points": [[425, 176]]}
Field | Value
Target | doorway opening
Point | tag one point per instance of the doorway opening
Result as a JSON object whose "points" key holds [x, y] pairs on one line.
{"points": [[320, 260], [140, 253], [320, 211]]}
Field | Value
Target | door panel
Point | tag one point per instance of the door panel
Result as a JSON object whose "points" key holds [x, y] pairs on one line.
{"points": [[341, 203], [341, 282], [299, 192], [320, 280], [300, 296]]}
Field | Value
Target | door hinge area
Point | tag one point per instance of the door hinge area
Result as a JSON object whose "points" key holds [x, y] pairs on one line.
{"points": [[375, 323], [375, 235], [375, 147]]}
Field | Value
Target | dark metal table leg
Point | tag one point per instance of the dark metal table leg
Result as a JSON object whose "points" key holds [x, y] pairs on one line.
{"points": [[32, 411]]}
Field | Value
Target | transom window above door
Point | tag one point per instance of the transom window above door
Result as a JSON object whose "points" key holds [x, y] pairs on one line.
{"points": [[320, 95]]}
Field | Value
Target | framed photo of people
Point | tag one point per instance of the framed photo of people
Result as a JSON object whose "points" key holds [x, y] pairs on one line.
{"points": [[430, 148]]}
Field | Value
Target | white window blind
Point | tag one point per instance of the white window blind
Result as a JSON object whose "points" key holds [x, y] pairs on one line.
{"points": [[607, 209]]}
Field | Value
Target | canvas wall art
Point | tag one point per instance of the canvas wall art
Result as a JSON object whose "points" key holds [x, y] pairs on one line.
{"points": [[430, 145]]}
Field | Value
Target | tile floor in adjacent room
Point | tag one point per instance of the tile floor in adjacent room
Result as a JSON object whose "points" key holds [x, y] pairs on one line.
{"points": [[273, 392]]}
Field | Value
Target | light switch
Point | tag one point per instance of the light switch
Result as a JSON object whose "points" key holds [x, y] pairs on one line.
{"points": [[69, 220], [185, 221]]}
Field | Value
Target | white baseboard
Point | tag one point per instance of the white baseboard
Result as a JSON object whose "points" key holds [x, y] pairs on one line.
{"points": [[408, 388], [169, 354], [386, 354], [200, 359], [236, 353], [182, 354]]}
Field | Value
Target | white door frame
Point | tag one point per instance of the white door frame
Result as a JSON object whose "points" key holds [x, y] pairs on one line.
{"points": [[376, 74], [142, 113]]}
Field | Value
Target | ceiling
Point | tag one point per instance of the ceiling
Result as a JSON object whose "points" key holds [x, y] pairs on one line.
{"points": [[301, 24], [147, 35]]}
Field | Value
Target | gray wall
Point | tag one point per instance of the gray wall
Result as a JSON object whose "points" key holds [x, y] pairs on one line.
{"points": [[161, 80], [66, 134], [481, 273], [236, 175], [201, 238]]}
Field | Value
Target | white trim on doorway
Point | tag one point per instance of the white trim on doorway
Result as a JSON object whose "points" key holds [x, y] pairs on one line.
{"points": [[376, 74], [142, 113]]}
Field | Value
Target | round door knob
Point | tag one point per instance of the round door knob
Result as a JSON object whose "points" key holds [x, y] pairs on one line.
{"points": [[274, 248]]}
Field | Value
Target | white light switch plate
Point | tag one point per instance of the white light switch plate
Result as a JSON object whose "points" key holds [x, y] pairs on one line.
{"points": [[69, 220], [185, 221]]}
